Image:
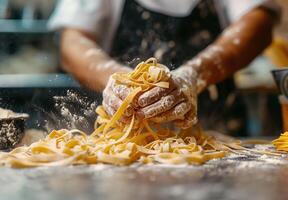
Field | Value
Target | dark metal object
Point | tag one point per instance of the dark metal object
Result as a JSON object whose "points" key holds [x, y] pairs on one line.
{"points": [[12, 130]]}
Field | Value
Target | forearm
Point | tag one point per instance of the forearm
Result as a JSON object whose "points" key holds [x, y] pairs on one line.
{"points": [[236, 47], [82, 57]]}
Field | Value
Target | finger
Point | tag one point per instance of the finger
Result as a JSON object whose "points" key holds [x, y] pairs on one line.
{"points": [[124, 119], [110, 111], [122, 91], [176, 113], [164, 104], [189, 120], [154, 94], [113, 101], [110, 99]]}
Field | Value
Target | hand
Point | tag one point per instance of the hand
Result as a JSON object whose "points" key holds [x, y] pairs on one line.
{"points": [[113, 97], [176, 104]]}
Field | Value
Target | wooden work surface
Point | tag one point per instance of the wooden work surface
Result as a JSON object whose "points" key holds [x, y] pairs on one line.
{"points": [[234, 177]]}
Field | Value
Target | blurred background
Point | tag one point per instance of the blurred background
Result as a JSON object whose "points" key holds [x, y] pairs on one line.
{"points": [[27, 46]]}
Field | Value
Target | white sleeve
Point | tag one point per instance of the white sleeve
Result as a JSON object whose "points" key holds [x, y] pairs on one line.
{"points": [[236, 8], [87, 15]]}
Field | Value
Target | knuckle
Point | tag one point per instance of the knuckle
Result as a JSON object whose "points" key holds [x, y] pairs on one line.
{"points": [[112, 100], [142, 101], [151, 96], [147, 95], [167, 101], [119, 89], [108, 109], [150, 112], [181, 109], [159, 90]]}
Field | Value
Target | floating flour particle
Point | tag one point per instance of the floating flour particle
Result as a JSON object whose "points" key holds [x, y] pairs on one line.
{"points": [[76, 111]]}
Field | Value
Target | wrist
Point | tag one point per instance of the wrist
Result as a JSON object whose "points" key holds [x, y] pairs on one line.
{"points": [[106, 68], [190, 73]]}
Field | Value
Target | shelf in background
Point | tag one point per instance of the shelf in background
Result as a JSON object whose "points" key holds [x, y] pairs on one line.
{"points": [[23, 26]]}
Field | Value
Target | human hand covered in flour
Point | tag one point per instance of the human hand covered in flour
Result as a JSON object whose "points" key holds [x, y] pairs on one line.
{"points": [[175, 104]]}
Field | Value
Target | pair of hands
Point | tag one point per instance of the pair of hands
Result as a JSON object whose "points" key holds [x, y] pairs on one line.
{"points": [[175, 104]]}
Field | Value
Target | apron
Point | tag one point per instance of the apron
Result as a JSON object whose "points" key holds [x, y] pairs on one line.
{"points": [[142, 34]]}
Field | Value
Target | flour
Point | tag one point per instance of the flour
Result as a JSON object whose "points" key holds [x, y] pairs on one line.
{"points": [[233, 31], [256, 160], [108, 65], [201, 84], [76, 111], [213, 53], [232, 162], [197, 62], [4, 114]]}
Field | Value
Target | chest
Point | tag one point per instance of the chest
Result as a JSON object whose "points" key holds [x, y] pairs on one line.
{"points": [[144, 33]]}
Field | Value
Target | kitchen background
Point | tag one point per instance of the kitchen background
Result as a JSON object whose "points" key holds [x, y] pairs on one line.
{"points": [[27, 46]]}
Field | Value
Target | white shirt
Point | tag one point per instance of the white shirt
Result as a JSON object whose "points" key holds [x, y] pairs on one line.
{"points": [[101, 17]]}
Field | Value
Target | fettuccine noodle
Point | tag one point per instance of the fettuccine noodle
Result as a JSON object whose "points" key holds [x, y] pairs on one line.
{"points": [[281, 143], [117, 143]]}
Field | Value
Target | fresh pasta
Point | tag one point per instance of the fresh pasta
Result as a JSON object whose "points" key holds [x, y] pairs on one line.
{"points": [[116, 143], [281, 143]]}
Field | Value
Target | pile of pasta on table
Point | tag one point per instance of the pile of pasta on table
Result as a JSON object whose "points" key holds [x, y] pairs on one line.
{"points": [[117, 143]]}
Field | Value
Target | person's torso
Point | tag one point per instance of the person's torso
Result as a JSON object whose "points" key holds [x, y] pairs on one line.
{"points": [[143, 33]]}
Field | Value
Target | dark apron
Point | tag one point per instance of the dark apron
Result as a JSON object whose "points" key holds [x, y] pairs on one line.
{"points": [[142, 34]]}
